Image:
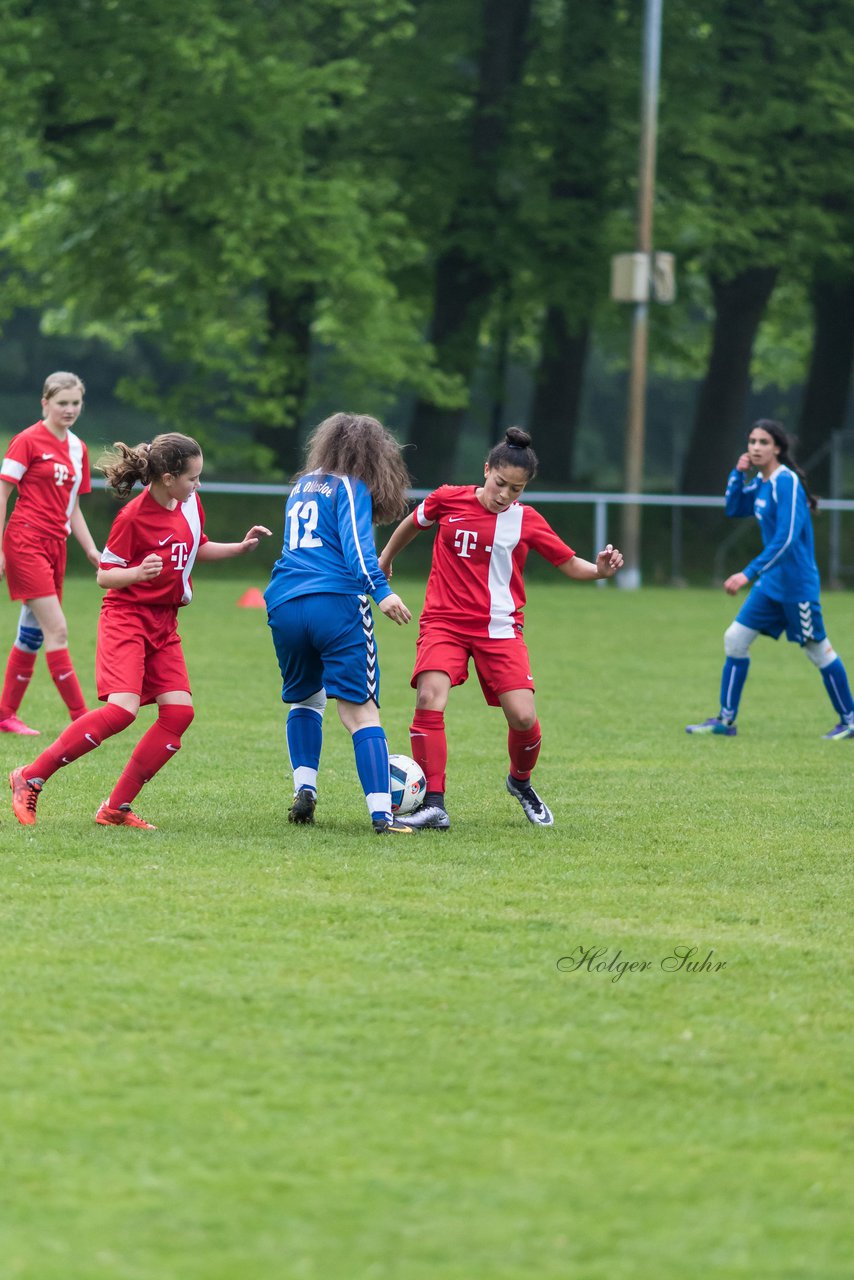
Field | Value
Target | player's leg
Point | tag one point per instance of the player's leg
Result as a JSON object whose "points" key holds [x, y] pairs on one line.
{"points": [[822, 654], [302, 686], [429, 746], [51, 620], [82, 736], [738, 638], [370, 747], [19, 671], [523, 742], [157, 746], [305, 742]]}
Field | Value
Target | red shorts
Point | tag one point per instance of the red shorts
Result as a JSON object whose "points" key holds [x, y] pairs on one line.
{"points": [[501, 665], [139, 651], [35, 565]]}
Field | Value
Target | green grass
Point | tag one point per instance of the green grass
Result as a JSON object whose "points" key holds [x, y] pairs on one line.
{"points": [[232, 1048]]}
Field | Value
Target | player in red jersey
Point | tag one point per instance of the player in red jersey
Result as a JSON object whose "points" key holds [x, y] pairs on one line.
{"points": [[48, 466], [145, 567], [474, 610]]}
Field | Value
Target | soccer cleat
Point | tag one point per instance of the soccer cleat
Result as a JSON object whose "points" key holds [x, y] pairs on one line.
{"points": [[431, 817], [393, 828], [13, 725], [303, 807], [24, 797], [713, 725], [840, 731], [124, 816], [534, 809]]}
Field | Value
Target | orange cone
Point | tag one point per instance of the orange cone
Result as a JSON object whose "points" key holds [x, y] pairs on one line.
{"points": [[252, 599]]}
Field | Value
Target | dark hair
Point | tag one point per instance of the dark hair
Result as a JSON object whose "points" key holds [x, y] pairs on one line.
{"points": [[352, 444], [785, 444], [514, 451], [167, 454]]}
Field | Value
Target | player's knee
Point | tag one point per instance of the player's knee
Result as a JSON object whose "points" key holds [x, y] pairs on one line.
{"points": [[30, 639], [820, 652], [176, 718], [737, 640], [315, 702]]}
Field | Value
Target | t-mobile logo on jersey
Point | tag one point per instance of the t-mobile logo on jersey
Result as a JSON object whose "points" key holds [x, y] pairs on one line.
{"points": [[60, 472], [179, 555], [465, 542]]}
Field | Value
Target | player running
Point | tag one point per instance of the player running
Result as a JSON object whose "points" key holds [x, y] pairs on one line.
{"points": [[474, 610], [49, 467], [146, 565], [318, 607], [785, 591]]}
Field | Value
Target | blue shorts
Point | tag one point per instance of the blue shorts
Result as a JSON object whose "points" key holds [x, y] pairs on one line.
{"points": [[800, 621], [326, 642]]}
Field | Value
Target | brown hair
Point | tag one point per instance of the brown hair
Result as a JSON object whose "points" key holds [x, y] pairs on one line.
{"points": [[167, 454], [352, 444], [514, 451], [56, 382]]}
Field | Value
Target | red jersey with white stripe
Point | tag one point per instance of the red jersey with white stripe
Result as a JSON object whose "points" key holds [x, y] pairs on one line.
{"points": [[476, 584], [50, 475], [143, 526]]}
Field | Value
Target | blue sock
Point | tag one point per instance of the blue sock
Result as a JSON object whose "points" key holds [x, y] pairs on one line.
{"points": [[371, 751], [836, 683], [305, 739], [732, 683]]}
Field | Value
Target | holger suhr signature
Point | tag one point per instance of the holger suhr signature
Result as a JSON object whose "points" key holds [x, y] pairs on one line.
{"points": [[681, 959]]}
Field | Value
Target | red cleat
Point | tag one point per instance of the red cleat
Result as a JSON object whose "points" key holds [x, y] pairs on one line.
{"points": [[13, 725], [124, 816], [24, 797]]}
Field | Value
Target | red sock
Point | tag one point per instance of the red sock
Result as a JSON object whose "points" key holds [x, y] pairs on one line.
{"points": [[19, 673], [430, 746], [65, 679], [82, 736], [524, 747], [152, 751]]}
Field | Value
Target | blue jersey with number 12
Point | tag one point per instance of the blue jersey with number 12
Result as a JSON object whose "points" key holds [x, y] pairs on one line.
{"points": [[329, 542]]}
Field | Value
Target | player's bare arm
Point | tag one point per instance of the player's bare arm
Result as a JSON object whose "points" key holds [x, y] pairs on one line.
{"points": [[225, 550], [405, 533], [80, 529], [116, 578], [607, 563]]}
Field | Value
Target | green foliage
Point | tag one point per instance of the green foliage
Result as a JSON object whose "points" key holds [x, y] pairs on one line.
{"points": [[236, 1048]]}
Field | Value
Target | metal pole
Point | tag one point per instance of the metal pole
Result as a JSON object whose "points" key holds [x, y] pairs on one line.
{"points": [[630, 578]]}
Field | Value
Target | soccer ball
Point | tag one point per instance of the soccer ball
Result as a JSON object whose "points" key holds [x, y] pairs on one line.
{"points": [[408, 784]]}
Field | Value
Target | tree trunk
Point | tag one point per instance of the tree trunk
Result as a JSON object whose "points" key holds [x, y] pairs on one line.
{"points": [[719, 430], [289, 327], [557, 398], [825, 401], [468, 270]]}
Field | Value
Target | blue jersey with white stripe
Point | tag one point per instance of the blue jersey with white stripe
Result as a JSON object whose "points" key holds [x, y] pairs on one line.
{"points": [[785, 569], [329, 542]]}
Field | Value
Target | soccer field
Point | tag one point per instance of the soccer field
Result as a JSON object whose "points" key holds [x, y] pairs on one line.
{"points": [[233, 1048]]}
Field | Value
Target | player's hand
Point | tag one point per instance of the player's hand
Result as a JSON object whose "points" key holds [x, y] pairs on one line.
{"points": [[743, 463], [385, 566], [150, 567], [94, 557], [2, 566], [734, 583], [609, 561], [253, 537], [394, 608]]}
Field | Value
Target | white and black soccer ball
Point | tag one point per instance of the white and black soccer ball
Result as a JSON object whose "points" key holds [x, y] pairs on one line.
{"points": [[408, 785]]}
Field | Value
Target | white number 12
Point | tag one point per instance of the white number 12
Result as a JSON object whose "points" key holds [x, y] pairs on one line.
{"points": [[304, 513]]}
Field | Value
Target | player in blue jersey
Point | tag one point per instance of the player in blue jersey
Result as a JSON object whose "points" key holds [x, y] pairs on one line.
{"points": [[784, 579], [318, 608]]}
